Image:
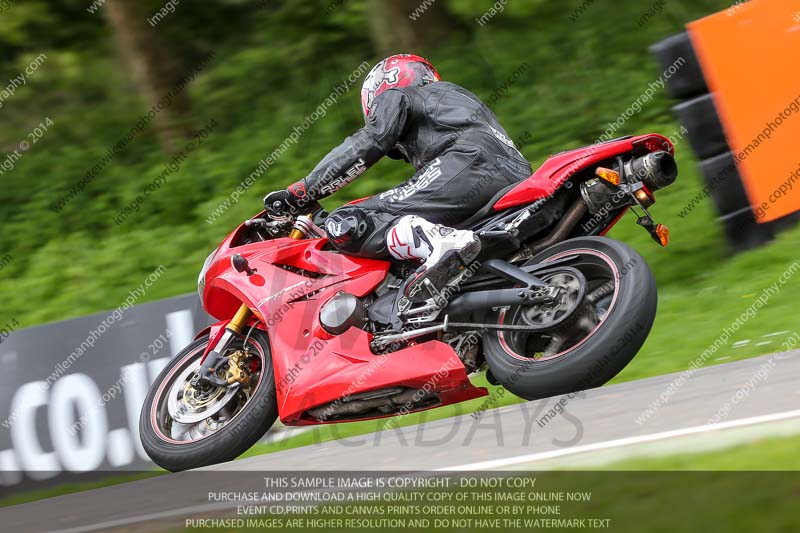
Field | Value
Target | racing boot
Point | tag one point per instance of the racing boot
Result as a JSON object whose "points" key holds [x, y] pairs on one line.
{"points": [[444, 252]]}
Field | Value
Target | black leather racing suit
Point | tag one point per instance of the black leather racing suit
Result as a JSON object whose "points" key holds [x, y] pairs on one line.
{"points": [[462, 155]]}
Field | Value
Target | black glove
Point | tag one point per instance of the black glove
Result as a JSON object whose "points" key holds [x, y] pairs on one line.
{"points": [[293, 201], [279, 204]]}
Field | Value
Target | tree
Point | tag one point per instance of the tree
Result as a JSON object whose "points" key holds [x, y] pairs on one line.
{"points": [[408, 25], [153, 68]]}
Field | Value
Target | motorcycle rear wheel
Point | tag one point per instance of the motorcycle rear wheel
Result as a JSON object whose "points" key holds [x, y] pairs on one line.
{"points": [[606, 335], [238, 416]]}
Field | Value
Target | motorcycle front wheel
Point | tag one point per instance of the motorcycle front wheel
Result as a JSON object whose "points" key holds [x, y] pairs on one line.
{"points": [[182, 427]]}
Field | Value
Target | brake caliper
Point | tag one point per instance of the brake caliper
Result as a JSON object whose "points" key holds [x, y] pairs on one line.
{"points": [[237, 362]]}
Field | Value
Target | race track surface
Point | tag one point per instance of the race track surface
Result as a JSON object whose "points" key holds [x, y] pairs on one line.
{"points": [[763, 397]]}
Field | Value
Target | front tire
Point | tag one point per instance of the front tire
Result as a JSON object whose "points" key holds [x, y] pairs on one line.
{"points": [[622, 320], [245, 417]]}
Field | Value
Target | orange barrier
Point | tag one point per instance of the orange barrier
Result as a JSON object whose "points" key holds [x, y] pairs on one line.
{"points": [[749, 55]]}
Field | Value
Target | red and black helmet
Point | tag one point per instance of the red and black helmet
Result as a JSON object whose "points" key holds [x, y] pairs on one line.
{"points": [[401, 70]]}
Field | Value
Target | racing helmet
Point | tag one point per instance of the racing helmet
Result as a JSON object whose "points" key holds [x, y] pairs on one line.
{"points": [[400, 70]]}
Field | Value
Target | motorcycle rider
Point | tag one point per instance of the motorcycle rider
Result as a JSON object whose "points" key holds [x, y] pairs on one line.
{"points": [[462, 157]]}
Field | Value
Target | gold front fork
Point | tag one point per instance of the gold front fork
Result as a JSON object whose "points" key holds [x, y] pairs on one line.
{"points": [[239, 320], [296, 234], [301, 227]]}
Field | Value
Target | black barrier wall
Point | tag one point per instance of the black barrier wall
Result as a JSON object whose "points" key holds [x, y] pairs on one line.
{"points": [[70, 392], [723, 183]]}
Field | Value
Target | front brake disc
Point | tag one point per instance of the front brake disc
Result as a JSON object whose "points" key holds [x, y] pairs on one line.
{"points": [[187, 405]]}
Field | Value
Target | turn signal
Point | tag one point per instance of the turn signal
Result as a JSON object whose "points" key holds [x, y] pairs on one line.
{"points": [[645, 197], [606, 174], [662, 232]]}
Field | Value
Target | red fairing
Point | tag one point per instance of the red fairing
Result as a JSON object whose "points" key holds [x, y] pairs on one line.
{"points": [[559, 168], [316, 373], [214, 333], [358, 200], [293, 280]]}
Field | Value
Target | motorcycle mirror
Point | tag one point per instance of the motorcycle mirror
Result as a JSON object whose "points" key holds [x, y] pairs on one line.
{"points": [[240, 264]]}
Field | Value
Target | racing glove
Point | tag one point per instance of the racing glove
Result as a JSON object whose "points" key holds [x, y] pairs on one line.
{"points": [[292, 201]]}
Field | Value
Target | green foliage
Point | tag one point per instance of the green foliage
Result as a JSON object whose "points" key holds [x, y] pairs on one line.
{"points": [[33, 24], [275, 62], [762, 454]]}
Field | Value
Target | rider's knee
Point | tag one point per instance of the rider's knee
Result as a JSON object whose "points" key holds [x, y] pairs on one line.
{"points": [[357, 231]]}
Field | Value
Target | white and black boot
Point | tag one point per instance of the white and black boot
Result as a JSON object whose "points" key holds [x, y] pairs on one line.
{"points": [[445, 253]]}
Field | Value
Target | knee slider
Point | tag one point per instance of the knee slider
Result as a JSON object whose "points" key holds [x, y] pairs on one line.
{"points": [[346, 226]]}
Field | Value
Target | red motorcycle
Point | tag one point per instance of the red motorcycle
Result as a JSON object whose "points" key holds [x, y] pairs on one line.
{"points": [[312, 336]]}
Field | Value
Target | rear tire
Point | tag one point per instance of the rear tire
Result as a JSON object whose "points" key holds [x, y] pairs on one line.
{"points": [[234, 438], [606, 350]]}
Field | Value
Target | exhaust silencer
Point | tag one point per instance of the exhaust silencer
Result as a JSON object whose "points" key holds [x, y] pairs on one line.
{"points": [[657, 170]]}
